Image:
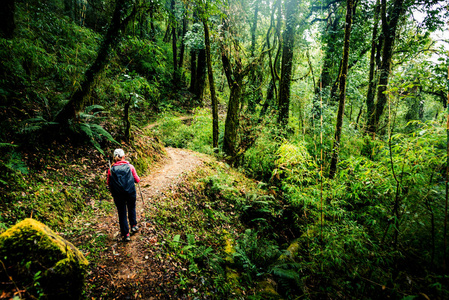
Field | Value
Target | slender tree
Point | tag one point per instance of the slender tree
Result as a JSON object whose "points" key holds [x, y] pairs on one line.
{"points": [[184, 30], [211, 85], [174, 42], [287, 61], [274, 63], [372, 66], [255, 94], [343, 75], [447, 182]]}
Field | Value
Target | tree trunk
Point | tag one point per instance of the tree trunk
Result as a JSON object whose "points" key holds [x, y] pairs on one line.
{"points": [[174, 43], [255, 94], [268, 101], [184, 30], [112, 38], [287, 62], [232, 120], [193, 55], [372, 69], [152, 29], [343, 75], [175, 55], [201, 75], [253, 29], [446, 205], [232, 116], [168, 32], [211, 86], [389, 28], [7, 20], [274, 67]]}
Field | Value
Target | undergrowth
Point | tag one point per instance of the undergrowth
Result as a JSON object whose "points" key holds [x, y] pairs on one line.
{"points": [[203, 225], [372, 232]]}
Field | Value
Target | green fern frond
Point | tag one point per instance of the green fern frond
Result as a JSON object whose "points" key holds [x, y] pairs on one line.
{"points": [[93, 107], [85, 116], [35, 124], [4, 145], [287, 271], [99, 130], [86, 128]]}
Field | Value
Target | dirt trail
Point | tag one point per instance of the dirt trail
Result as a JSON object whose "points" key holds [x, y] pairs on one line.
{"points": [[134, 270]]}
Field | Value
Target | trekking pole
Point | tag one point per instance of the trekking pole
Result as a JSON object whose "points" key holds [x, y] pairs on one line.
{"points": [[138, 184]]}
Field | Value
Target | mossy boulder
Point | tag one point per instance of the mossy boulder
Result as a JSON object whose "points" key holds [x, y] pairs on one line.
{"points": [[41, 262]]}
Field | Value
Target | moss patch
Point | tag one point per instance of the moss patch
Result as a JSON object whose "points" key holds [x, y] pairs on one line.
{"points": [[41, 262]]}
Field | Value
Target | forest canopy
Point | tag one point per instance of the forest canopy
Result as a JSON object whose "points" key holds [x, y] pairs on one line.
{"points": [[338, 108]]}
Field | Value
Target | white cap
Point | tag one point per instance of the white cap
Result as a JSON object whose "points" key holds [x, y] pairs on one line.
{"points": [[119, 152]]}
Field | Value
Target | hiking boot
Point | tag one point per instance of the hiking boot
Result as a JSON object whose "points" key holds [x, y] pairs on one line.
{"points": [[127, 238], [134, 229]]}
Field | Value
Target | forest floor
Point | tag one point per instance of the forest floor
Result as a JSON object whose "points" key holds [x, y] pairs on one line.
{"points": [[136, 269]]}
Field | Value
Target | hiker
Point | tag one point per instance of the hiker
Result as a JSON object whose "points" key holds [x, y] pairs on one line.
{"points": [[121, 180]]}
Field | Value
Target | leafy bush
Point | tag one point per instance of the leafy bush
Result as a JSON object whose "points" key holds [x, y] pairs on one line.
{"points": [[259, 160]]}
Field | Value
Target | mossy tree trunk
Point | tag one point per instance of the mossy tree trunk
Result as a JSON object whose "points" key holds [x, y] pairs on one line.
{"points": [[343, 75], [287, 61], [79, 98], [234, 78], [389, 28]]}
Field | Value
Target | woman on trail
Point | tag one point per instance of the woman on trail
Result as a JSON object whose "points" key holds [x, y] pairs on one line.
{"points": [[121, 180]]}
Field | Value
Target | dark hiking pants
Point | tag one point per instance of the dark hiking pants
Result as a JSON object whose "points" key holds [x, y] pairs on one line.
{"points": [[126, 203]]}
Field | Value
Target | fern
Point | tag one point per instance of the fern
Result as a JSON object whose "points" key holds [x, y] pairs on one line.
{"points": [[5, 145], [287, 271], [35, 124], [12, 165], [94, 132], [100, 131]]}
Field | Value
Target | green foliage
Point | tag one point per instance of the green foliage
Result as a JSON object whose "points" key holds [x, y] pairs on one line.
{"points": [[196, 136], [194, 38], [295, 164], [12, 164], [53, 187], [254, 254], [211, 203], [259, 160], [94, 133]]}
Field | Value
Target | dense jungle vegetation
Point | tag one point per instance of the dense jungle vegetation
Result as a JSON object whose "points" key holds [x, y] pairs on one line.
{"points": [[334, 110]]}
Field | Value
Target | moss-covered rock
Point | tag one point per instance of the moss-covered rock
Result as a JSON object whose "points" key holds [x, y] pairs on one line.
{"points": [[40, 261]]}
